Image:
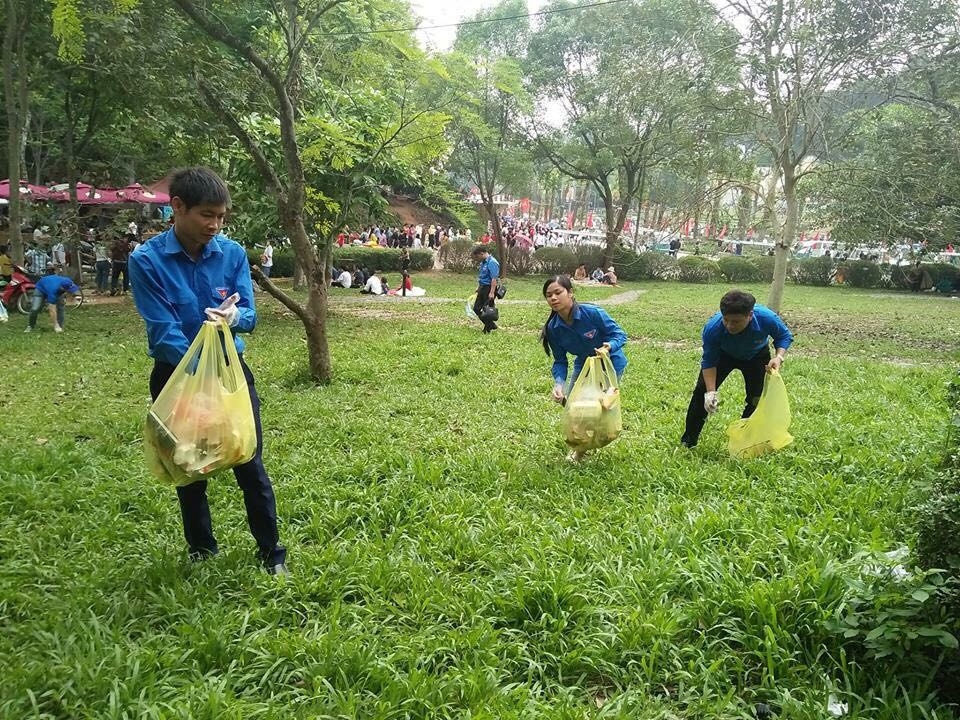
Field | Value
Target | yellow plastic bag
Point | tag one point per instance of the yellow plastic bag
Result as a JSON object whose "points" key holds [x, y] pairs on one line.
{"points": [[591, 417], [202, 421], [765, 430]]}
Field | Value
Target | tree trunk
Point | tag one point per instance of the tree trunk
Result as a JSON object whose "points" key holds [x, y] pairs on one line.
{"points": [[502, 249], [68, 227], [12, 52], [785, 240], [318, 349]]}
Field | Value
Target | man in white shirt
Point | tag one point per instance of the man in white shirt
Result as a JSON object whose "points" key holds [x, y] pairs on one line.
{"points": [[132, 228], [58, 254], [374, 286], [266, 260], [343, 279]]}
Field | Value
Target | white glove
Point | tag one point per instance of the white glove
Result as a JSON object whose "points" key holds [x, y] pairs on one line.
{"points": [[558, 392], [711, 401], [229, 314]]}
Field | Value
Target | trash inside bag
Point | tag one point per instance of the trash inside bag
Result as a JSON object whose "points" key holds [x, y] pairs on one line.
{"points": [[468, 308], [591, 417], [202, 421], [766, 430]]}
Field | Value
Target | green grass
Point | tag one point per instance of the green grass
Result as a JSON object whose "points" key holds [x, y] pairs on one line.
{"points": [[446, 561]]}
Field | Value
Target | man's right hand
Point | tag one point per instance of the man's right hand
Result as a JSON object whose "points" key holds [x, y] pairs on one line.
{"points": [[558, 392], [711, 401]]}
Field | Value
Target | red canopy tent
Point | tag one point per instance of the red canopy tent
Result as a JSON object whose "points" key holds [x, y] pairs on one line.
{"points": [[27, 191]]}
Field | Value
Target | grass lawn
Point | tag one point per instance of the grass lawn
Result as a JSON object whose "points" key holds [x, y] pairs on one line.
{"points": [[446, 561]]}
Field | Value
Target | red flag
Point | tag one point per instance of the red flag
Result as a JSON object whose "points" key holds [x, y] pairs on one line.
{"points": [[569, 221], [803, 236], [750, 234], [589, 219], [723, 233], [525, 205], [816, 235]]}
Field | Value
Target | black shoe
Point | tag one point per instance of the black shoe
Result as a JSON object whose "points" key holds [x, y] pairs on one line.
{"points": [[687, 443]]}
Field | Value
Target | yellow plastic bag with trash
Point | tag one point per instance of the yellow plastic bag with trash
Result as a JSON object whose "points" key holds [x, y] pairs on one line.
{"points": [[202, 421], [591, 416], [765, 430]]}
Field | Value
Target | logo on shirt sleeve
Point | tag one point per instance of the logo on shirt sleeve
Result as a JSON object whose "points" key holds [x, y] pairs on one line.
{"points": [[223, 292], [590, 334]]}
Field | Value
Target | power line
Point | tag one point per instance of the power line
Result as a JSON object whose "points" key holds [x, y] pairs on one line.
{"points": [[471, 22]]}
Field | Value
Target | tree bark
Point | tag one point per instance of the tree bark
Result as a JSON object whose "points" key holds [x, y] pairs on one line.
{"points": [[785, 239], [13, 68]]}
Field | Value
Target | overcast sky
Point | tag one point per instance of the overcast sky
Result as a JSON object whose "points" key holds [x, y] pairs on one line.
{"points": [[445, 12]]}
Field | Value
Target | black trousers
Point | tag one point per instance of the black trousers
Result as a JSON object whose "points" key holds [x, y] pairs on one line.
{"points": [[753, 370], [253, 481], [119, 268], [483, 298]]}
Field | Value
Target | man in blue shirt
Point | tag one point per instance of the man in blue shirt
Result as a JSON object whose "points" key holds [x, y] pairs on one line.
{"points": [[736, 338], [180, 278], [50, 291], [487, 280]]}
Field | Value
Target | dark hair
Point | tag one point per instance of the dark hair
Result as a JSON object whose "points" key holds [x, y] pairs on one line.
{"points": [[477, 250], [564, 282], [737, 302], [198, 186]]}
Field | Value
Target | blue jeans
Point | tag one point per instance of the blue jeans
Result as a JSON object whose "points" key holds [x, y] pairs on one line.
{"points": [[103, 275], [38, 302], [253, 481]]}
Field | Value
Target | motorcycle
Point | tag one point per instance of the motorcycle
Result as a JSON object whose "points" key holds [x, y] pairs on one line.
{"points": [[18, 293]]}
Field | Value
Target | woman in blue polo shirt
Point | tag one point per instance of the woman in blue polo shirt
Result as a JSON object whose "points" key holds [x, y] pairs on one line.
{"points": [[578, 330]]}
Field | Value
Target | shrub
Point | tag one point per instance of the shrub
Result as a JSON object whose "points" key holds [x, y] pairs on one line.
{"points": [[282, 261], [591, 256], [736, 269], [455, 256], [649, 266], [812, 271], [520, 261], [695, 269], [378, 258], [556, 261], [765, 265], [861, 274], [939, 272]]}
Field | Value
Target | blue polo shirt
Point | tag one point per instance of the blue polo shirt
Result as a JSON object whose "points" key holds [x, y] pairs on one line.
{"points": [[589, 328], [171, 291], [53, 286], [489, 271], [764, 324]]}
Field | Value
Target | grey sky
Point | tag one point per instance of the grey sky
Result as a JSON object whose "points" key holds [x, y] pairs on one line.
{"points": [[444, 12]]}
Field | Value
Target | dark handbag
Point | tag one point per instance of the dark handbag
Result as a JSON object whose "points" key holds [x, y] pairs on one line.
{"points": [[489, 314], [501, 290]]}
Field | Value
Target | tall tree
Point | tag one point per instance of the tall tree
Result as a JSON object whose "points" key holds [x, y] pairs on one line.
{"points": [[800, 56], [630, 101], [485, 69], [16, 83]]}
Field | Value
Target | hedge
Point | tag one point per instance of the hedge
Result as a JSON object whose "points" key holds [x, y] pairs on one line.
{"points": [[861, 274], [377, 259], [737, 269], [696, 269], [812, 271]]}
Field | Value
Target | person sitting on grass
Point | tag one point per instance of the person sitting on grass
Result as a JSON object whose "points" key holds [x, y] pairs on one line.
{"points": [[610, 276], [580, 274], [343, 279], [736, 338], [597, 275], [373, 286], [50, 290]]}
